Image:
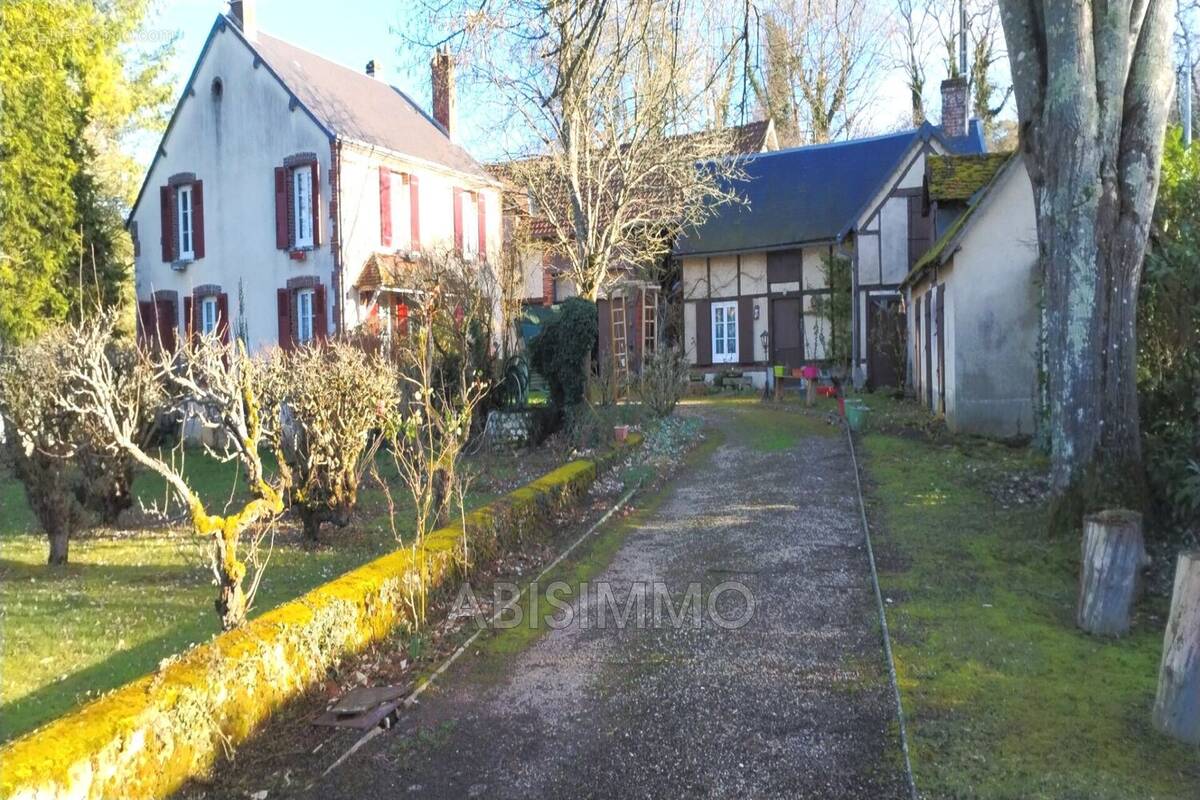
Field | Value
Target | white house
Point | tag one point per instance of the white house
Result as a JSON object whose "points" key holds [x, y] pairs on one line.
{"points": [[289, 192], [973, 299]]}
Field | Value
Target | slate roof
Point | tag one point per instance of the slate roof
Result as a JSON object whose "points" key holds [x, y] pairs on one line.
{"points": [[957, 177], [356, 106], [749, 138], [809, 194]]}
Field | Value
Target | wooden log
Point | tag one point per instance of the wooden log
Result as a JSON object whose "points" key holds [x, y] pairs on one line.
{"points": [[1177, 706], [1113, 554]]}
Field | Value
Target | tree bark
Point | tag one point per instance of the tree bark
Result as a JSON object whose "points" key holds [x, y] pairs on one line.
{"points": [[1177, 706], [1093, 92], [1113, 554], [60, 539]]}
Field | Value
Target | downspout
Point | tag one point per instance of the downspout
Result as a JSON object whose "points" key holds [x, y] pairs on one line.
{"points": [[335, 238], [854, 354]]}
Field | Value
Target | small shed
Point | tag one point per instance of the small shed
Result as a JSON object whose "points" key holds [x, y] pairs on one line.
{"points": [[973, 299]]}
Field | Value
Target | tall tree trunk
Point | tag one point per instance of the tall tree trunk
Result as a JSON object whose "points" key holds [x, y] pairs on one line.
{"points": [[60, 539], [1093, 90]]}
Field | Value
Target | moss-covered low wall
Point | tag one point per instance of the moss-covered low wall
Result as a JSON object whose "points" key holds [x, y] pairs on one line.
{"points": [[146, 738]]}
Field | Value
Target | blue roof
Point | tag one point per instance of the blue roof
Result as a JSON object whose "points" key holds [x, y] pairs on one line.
{"points": [[810, 194]]}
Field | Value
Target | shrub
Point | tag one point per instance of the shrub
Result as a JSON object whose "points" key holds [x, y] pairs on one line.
{"points": [[42, 436], [561, 350], [1169, 340], [70, 467], [514, 381], [327, 407], [663, 381]]}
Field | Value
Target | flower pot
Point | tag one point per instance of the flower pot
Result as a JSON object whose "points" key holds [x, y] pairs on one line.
{"points": [[797, 372], [621, 432], [810, 372]]}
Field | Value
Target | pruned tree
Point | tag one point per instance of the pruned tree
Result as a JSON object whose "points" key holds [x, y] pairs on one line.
{"points": [[71, 474], [443, 365], [1093, 93], [836, 58], [328, 407], [41, 437], [600, 95], [217, 382]]}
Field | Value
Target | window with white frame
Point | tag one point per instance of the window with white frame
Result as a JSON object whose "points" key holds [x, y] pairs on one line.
{"points": [[724, 333], [302, 205], [470, 225], [183, 214], [401, 216], [208, 315], [305, 313]]}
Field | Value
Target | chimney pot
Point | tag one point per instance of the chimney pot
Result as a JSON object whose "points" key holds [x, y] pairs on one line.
{"points": [[954, 106], [245, 16], [442, 70], [371, 68]]}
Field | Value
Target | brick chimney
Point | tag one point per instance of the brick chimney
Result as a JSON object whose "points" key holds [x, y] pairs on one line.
{"points": [[245, 16], [442, 68], [954, 106]]}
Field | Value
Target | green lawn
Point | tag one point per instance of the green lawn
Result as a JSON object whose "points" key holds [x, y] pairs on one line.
{"points": [[1005, 697], [130, 598]]}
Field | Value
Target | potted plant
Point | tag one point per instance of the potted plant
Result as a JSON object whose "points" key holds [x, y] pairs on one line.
{"points": [[621, 432]]}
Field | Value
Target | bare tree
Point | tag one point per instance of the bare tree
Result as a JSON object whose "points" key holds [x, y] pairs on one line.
{"points": [[442, 369], [41, 437], [1093, 93], [600, 93], [776, 90], [328, 406], [217, 381], [986, 50], [914, 26], [836, 55]]}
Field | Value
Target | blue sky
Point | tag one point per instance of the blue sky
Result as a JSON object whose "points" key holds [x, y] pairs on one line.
{"points": [[352, 32]]}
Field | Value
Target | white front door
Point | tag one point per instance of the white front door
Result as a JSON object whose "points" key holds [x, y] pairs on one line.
{"points": [[724, 333]]}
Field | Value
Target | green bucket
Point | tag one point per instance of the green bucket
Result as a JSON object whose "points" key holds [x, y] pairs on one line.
{"points": [[779, 370], [856, 414]]}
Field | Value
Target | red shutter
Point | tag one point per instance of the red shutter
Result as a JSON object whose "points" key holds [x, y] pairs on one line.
{"points": [[146, 322], [385, 207], [281, 209], [402, 319], [198, 219], [320, 326], [284, 299], [223, 317], [458, 230], [704, 332], [166, 196], [414, 210], [166, 313], [189, 319], [316, 204], [482, 206]]}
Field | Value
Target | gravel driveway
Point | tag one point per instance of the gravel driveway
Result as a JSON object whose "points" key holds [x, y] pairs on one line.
{"points": [[794, 703]]}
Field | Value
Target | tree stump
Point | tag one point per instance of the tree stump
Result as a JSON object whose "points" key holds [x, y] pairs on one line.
{"points": [[1113, 555], [1177, 707]]}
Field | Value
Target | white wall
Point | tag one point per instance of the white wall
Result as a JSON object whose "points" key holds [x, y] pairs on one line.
{"points": [[995, 313], [361, 218], [233, 145], [893, 222]]}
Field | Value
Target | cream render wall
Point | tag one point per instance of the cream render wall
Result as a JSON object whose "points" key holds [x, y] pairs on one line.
{"points": [[233, 145], [754, 273], [360, 213]]}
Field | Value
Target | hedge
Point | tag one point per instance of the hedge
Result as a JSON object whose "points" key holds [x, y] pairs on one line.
{"points": [[144, 740]]}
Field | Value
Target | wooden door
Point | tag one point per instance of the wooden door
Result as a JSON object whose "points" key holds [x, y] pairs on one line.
{"points": [[787, 332], [885, 341]]}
